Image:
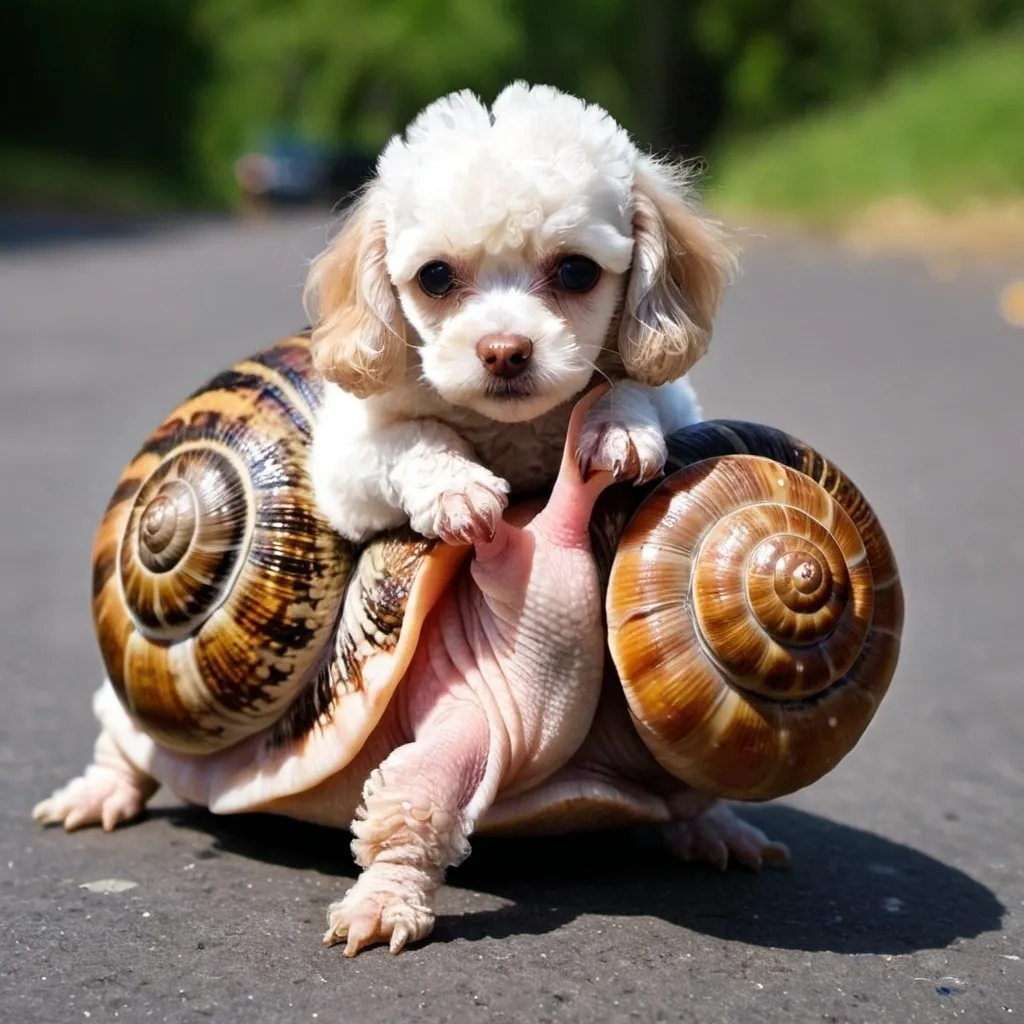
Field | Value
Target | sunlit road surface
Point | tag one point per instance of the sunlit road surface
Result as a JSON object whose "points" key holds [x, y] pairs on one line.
{"points": [[905, 899]]}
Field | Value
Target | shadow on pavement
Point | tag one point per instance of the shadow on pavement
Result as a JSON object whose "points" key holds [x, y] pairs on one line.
{"points": [[849, 891]]}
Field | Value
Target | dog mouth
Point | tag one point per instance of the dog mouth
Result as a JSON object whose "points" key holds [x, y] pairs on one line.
{"points": [[515, 400], [509, 390]]}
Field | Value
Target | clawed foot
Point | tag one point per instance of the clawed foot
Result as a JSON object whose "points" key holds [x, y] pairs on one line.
{"points": [[717, 834], [468, 512], [635, 453], [383, 906], [102, 796], [470, 516]]}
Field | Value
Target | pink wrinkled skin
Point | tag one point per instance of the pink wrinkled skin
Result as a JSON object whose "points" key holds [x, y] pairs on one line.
{"points": [[497, 717], [503, 687]]}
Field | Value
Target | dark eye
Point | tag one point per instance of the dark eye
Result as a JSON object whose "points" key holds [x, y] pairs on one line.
{"points": [[578, 273], [436, 278]]}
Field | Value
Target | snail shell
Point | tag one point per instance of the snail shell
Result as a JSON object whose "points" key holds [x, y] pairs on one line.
{"points": [[754, 608], [216, 583], [754, 612]]}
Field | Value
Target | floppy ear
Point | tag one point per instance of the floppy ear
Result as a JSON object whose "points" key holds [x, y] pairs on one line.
{"points": [[682, 263], [358, 339]]}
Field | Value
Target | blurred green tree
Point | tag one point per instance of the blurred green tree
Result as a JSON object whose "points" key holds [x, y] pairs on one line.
{"points": [[773, 59], [339, 70], [114, 81], [180, 88]]}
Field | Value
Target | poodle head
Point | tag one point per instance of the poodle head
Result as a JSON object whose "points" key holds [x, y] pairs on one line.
{"points": [[503, 254]]}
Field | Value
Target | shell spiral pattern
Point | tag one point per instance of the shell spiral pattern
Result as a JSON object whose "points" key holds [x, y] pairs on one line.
{"points": [[754, 612], [216, 583]]}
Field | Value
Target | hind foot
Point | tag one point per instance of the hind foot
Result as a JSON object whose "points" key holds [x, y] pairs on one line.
{"points": [[111, 791], [717, 834]]}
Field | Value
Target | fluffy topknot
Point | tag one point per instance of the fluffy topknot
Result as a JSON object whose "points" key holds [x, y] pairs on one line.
{"points": [[536, 165]]}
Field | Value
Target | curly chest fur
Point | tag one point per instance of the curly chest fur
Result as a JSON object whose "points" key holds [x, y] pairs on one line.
{"points": [[527, 455]]}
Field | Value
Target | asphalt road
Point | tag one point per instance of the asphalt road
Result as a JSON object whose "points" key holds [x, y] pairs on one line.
{"points": [[906, 898]]}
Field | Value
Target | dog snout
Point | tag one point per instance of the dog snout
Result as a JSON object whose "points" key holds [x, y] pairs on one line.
{"points": [[504, 355]]}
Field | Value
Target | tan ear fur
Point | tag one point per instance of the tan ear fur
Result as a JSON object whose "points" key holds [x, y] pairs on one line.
{"points": [[359, 332], [682, 263]]}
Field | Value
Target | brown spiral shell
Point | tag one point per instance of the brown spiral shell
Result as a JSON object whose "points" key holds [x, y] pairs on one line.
{"points": [[216, 583], [754, 612]]}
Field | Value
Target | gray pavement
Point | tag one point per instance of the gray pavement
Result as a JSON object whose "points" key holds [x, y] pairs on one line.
{"points": [[906, 898]]}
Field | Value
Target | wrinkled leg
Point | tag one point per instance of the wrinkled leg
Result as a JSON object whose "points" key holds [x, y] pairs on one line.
{"points": [[707, 829], [409, 830], [112, 790]]}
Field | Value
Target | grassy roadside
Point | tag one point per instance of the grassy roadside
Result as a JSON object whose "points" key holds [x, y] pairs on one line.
{"points": [[938, 152], [30, 180], [933, 161]]}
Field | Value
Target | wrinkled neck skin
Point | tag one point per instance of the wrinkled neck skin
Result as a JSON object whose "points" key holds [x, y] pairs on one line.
{"points": [[521, 635]]}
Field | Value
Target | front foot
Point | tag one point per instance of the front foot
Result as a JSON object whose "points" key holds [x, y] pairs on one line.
{"points": [[102, 796], [409, 829], [389, 903], [717, 834], [630, 452], [467, 511]]}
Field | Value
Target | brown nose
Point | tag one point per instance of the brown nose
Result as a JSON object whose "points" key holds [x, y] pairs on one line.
{"points": [[504, 355]]}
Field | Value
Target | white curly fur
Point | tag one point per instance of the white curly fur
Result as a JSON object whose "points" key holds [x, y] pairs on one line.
{"points": [[410, 429]]}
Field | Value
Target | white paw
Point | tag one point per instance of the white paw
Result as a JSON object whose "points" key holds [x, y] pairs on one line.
{"points": [[381, 907], [717, 834], [467, 511], [630, 452], [102, 796]]}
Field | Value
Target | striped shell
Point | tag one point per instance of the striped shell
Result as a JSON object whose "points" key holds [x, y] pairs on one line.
{"points": [[216, 583], [753, 605], [231, 618], [754, 612]]}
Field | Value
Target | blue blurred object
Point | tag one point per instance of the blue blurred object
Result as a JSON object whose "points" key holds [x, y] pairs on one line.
{"points": [[292, 170]]}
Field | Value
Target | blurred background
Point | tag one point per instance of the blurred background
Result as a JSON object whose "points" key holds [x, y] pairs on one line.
{"points": [[813, 109], [167, 170]]}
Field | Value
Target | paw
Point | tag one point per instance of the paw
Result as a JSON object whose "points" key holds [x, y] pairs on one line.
{"points": [[102, 796], [380, 907], [467, 511], [717, 834], [636, 452]]}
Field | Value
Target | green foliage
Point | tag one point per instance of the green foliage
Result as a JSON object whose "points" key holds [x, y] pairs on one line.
{"points": [[111, 81], [951, 129], [776, 58], [72, 183], [338, 70], [177, 89]]}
